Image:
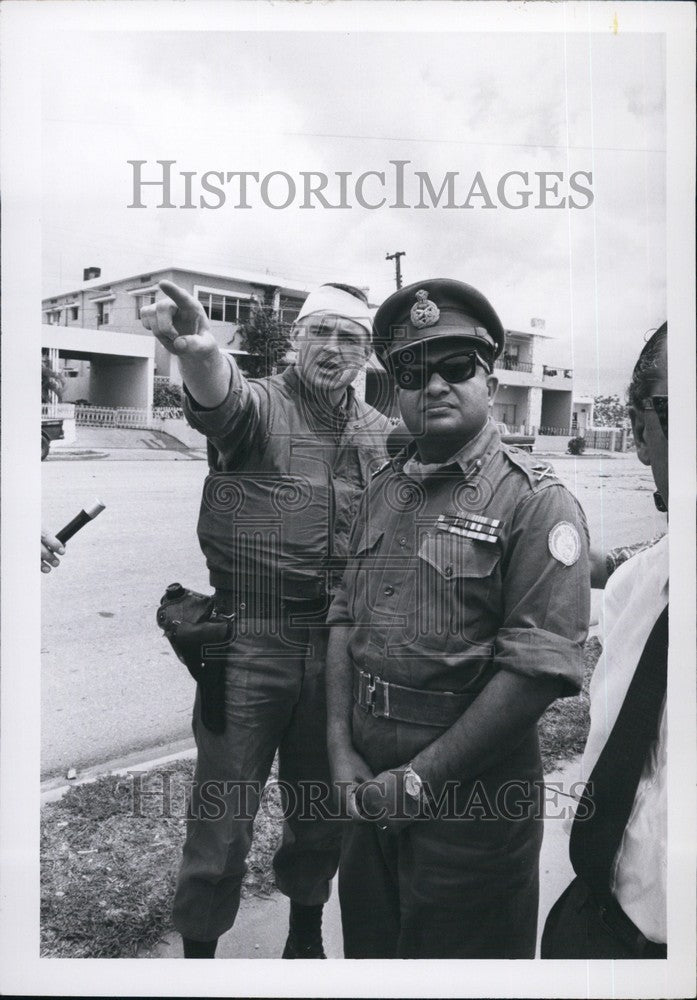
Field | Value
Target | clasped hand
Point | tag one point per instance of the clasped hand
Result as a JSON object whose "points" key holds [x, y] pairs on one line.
{"points": [[368, 798]]}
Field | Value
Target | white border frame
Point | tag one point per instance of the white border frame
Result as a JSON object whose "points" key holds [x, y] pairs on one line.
{"points": [[22, 971]]}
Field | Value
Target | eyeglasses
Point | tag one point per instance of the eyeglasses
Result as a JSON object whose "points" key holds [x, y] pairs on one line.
{"points": [[659, 404], [413, 372]]}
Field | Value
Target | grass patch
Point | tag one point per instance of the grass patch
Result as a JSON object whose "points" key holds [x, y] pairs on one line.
{"points": [[110, 850], [563, 729]]}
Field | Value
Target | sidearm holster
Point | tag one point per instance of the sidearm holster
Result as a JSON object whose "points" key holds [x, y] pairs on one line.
{"points": [[199, 636]]}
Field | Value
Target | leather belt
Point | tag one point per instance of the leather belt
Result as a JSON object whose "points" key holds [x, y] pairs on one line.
{"points": [[297, 612], [407, 704]]}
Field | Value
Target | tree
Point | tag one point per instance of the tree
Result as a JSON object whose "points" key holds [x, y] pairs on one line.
{"points": [[266, 338], [166, 394], [51, 381], [609, 411]]}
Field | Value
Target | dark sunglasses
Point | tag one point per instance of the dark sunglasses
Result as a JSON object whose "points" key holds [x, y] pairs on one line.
{"points": [[414, 372], [659, 404]]}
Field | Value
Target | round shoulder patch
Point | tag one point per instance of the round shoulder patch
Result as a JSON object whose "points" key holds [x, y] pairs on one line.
{"points": [[564, 543]]}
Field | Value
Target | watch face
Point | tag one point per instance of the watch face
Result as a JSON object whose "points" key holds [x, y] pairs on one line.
{"points": [[412, 784]]}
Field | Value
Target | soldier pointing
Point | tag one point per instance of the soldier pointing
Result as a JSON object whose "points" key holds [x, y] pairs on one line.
{"points": [[288, 456]]}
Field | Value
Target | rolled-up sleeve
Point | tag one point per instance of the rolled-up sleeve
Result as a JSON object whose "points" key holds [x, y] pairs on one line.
{"points": [[546, 600], [232, 426]]}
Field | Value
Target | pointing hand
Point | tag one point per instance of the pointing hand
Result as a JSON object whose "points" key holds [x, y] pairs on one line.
{"points": [[180, 324]]}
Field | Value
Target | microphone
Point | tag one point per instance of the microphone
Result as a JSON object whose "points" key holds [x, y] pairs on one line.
{"points": [[79, 521]]}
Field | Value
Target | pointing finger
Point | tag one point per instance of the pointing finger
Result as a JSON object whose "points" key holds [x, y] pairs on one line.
{"points": [[178, 295]]}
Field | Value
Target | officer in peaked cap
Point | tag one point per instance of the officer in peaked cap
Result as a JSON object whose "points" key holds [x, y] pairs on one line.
{"points": [[429, 310], [461, 616]]}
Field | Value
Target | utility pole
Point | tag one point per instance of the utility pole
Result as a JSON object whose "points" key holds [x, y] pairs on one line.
{"points": [[397, 264]]}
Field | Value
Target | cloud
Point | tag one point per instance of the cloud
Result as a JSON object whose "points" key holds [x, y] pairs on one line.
{"points": [[330, 102]]}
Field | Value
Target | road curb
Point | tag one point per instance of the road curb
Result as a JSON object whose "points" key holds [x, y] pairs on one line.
{"points": [[53, 789]]}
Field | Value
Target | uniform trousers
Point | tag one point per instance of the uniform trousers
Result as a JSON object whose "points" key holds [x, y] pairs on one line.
{"points": [[464, 885], [274, 699]]}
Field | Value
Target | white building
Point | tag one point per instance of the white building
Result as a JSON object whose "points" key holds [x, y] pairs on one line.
{"points": [[94, 333]]}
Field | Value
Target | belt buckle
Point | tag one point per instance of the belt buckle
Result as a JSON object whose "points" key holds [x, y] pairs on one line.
{"points": [[371, 700], [370, 693]]}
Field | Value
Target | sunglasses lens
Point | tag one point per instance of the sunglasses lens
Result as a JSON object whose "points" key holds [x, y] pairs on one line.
{"points": [[660, 405], [409, 374], [459, 369]]}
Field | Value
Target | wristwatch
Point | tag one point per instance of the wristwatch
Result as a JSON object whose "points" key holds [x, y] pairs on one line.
{"points": [[413, 785]]}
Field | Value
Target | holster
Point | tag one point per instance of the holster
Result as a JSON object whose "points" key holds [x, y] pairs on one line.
{"points": [[200, 637]]}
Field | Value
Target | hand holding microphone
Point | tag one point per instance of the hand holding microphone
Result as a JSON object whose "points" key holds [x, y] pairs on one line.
{"points": [[51, 544]]}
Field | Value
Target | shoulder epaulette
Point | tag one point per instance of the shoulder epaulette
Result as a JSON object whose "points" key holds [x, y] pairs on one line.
{"points": [[538, 471]]}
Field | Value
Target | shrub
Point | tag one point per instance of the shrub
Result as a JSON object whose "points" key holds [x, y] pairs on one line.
{"points": [[52, 381], [577, 446], [166, 394]]}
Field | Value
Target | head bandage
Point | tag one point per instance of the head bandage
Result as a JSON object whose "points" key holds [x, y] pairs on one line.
{"points": [[336, 302]]}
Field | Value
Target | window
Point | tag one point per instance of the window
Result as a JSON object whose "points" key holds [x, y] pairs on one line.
{"points": [[74, 311], [53, 317], [225, 308], [103, 309], [144, 300], [289, 311]]}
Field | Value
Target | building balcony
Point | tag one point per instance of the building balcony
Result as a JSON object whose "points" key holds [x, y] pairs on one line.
{"points": [[556, 373], [513, 365]]}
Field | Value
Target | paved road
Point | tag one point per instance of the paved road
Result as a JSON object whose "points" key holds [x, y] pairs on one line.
{"points": [[111, 684]]}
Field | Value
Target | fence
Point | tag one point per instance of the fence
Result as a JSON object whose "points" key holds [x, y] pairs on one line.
{"points": [[607, 438], [129, 417], [599, 438], [557, 431], [66, 411]]}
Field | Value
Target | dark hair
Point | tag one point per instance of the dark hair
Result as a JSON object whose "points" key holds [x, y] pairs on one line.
{"points": [[647, 367], [351, 289]]}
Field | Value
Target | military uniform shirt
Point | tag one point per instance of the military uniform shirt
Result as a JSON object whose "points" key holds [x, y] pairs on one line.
{"points": [[459, 571], [284, 484]]}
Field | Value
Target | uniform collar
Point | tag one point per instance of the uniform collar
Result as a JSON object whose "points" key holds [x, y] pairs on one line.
{"points": [[472, 456]]}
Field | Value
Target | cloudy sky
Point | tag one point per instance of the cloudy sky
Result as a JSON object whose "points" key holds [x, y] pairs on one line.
{"points": [[353, 101]]}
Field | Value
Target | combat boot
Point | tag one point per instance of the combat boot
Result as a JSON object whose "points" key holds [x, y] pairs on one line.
{"points": [[305, 932]]}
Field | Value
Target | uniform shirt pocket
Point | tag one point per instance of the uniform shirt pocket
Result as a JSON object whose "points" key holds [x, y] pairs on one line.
{"points": [[457, 590]]}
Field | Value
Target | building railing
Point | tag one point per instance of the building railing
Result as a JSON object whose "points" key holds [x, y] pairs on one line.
{"points": [[124, 416], [541, 371], [513, 365]]}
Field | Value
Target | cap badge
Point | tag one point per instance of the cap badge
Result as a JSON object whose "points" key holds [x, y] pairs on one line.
{"points": [[424, 312]]}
